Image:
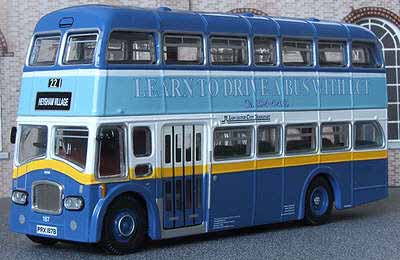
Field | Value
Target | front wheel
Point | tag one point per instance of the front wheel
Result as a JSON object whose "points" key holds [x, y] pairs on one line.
{"points": [[319, 202], [124, 227], [42, 240]]}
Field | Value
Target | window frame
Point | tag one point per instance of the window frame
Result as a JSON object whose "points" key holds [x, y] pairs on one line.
{"points": [[345, 53], [52, 144], [349, 136], [299, 152], [46, 35], [121, 30], [250, 156], [280, 141], [276, 50], [183, 34], [79, 33], [378, 127], [232, 36], [312, 51], [123, 175], [377, 63]]}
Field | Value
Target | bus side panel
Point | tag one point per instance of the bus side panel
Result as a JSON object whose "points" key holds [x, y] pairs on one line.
{"points": [[269, 192], [231, 200], [294, 179], [342, 183], [370, 180]]}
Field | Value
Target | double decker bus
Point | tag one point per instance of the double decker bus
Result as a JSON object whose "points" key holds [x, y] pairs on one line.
{"points": [[137, 123]]}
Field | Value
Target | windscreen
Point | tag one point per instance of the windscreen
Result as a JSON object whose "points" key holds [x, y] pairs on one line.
{"points": [[33, 143]]}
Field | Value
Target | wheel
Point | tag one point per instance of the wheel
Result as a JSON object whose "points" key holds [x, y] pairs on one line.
{"points": [[42, 240], [319, 202], [124, 227]]}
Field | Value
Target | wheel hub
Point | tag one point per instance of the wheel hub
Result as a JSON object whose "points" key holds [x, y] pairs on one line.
{"points": [[126, 225], [319, 201]]}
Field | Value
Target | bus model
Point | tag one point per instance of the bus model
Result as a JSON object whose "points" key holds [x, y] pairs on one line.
{"points": [[137, 123]]}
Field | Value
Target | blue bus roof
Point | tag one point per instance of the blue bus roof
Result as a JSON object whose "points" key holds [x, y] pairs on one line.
{"points": [[163, 19], [101, 89]]}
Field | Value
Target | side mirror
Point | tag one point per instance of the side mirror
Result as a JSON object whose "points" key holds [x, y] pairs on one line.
{"points": [[13, 135]]}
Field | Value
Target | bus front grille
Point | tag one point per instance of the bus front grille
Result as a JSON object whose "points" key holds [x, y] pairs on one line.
{"points": [[46, 197]]}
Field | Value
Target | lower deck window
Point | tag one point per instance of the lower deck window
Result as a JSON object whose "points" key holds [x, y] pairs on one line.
{"points": [[300, 138], [141, 141], [268, 140], [111, 151], [71, 144], [368, 135], [334, 136], [232, 142]]}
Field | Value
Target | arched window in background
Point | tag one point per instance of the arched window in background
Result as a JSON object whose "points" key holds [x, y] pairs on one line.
{"points": [[389, 36]]}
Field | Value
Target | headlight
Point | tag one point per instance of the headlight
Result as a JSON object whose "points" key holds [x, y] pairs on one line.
{"points": [[19, 197], [73, 203]]}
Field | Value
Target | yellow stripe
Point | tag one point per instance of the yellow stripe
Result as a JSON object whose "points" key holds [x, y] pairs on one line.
{"points": [[335, 157], [301, 160], [233, 167], [168, 172], [217, 168], [83, 178], [270, 163], [372, 155]]}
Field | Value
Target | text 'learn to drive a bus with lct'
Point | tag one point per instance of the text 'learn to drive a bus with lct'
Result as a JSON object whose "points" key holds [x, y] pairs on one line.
{"points": [[151, 123]]}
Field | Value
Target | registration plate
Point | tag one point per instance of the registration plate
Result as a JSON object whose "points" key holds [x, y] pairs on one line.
{"points": [[46, 230]]}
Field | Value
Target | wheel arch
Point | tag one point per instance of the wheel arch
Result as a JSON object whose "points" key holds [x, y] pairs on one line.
{"points": [[328, 174], [137, 191]]}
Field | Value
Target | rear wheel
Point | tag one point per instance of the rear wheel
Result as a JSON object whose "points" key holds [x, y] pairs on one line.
{"points": [[319, 202], [125, 226], [42, 240]]}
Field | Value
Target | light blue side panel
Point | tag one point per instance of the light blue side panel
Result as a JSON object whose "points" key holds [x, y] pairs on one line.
{"points": [[269, 94], [134, 95], [87, 95], [189, 94], [334, 92], [369, 92], [301, 93], [185, 93]]}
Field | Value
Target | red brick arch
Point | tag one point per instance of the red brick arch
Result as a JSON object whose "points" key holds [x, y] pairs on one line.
{"points": [[3, 46], [247, 10], [358, 14]]}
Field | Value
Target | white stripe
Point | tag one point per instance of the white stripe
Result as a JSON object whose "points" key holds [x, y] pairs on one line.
{"points": [[324, 115], [214, 73], [368, 75], [334, 74]]}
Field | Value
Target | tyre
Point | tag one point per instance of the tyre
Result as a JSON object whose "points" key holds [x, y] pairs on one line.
{"points": [[319, 202], [42, 240], [124, 227]]}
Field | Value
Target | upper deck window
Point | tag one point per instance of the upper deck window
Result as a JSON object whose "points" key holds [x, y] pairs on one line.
{"points": [[80, 49], [331, 53], [264, 51], [131, 48], [183, 49], [44, 51], [297, 52], [228, 51], [363, 55]]}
